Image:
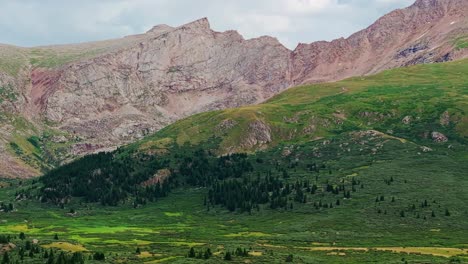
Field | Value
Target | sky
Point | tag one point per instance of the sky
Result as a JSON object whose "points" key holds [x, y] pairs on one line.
{"points": [[44, 22]]}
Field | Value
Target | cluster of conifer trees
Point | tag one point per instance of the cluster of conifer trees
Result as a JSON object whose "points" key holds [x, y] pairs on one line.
{"points": [[112, 178], [6, 207], [103, 178]]}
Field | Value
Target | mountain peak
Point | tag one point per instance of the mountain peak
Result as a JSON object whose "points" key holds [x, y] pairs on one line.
{"points": [[159, 29], [201, 23]]}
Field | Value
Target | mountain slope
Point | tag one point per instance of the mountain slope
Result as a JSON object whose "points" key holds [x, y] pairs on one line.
{"points": [[83, 98], [425, 32], [409, 103], [368, 169], [423, 108]]}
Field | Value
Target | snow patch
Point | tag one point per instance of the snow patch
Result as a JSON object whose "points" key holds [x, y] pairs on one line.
{"points": [[453, 22]]}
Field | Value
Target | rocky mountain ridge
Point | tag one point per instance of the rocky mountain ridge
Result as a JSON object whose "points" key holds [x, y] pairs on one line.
{"points": [[88, 97]]}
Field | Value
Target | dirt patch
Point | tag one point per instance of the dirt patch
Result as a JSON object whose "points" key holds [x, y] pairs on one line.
{"points": [[160, 176], [6, 247]]}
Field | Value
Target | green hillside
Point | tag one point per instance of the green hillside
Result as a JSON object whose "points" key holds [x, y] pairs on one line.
{"points": [[365, 170], [378, 102]]}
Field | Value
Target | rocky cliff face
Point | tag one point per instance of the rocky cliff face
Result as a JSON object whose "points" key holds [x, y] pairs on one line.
{"points": [[175, 73], [422, 33], [104, 94]]}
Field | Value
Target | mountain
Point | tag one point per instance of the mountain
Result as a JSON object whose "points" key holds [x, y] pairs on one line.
{"points": [[364, 170], [425, 32], [59, 102], [421, 104]]}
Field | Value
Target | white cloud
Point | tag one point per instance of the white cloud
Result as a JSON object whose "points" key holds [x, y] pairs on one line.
{"points": [[306, 6], [251, 24]]}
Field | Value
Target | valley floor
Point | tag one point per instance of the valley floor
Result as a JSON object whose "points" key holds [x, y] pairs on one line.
{"points": [[360, 230]]}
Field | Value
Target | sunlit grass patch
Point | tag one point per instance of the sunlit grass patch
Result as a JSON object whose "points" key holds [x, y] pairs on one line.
{"points": [[170, 214], [248, 234], [82, 239], [147, 254], [435, 251], [272, 246], [109, 230], [66, 246], [17, 228], [320, 244], [255, 253], [180, 243], [337, 253], [128, 242], [162, 260]]}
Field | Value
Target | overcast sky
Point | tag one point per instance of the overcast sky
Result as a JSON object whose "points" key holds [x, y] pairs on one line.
{"points": [[42, 22]]}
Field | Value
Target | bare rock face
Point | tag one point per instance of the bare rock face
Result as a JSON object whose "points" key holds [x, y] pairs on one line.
{"points": [[259, 134], [445, 118], [175, 73], [136, 85], [438, 137], [407, 120], [225, 126], [421, 33]]}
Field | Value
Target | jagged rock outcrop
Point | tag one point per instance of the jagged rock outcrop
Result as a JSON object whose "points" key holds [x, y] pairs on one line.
{"points": [[438, 137], [116, 91], [259, 134]]}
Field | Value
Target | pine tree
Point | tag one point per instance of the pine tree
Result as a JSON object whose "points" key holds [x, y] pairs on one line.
{"points": [[21, 253], [99, 256], [191, 253], [138, 251], [27, 245], [6, 258], [207, 254], [447, 213], [228, 256]]}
